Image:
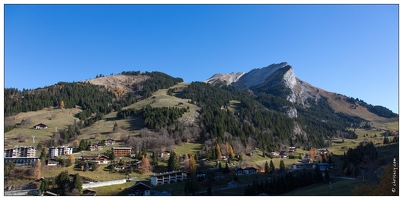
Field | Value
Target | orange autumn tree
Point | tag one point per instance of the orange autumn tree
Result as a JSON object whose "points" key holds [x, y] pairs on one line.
{"points": [[145, 165], [62, 104]]}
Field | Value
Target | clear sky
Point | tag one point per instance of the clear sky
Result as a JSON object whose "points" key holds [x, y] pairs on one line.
{"points": [[347, 49]]}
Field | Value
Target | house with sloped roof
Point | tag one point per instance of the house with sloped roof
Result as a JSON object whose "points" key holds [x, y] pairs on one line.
{"points": [[41, 126], [139, 189]]}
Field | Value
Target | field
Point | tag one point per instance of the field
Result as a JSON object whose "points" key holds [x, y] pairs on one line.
{"points": [[162, 99], [113, 190], [338, 147], [339, 188], [234, 106], [99, 175], [188, 148], [53, 118]]}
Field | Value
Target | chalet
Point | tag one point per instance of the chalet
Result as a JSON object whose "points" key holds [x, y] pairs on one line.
{"points": [[323, 166], [323, 151], [135, 163], [122, 151], [109, 142], [119, 166], [218, 175], [248, 170], [94, 147], [87, 158], [201, 175], [168, 177], [298, 166], [52, 162], [41, 126], [274, 155], [139, 189], [89, 192], [100, 159], [165, 154], [292, 149], [283, 154], [305, 160]]}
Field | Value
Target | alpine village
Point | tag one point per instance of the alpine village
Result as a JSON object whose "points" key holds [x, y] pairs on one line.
{"points": [[260, 133]]}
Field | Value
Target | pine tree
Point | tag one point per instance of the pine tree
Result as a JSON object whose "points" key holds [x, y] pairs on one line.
{"points": [[77, 183], [209, 190], [44, 185], [282, 165], [266, 168], [115, 127], [327, 177], [226, 169], [272, 168], [173, 162], [43, 153], [155, 159], [385, 140], [63, 182]]}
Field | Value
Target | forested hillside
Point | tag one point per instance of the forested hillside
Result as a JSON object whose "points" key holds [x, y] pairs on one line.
{"points": [[260, 120], [94, 100]]}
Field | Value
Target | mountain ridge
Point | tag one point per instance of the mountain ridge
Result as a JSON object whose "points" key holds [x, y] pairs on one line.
{"points": [[280, 80]]}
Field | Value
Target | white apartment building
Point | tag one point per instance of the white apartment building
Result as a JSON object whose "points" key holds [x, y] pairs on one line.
{"points": [[168, 177], [20, 152], [59, 151]]}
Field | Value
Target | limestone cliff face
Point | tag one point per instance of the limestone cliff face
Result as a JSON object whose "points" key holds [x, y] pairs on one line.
{"points": [[280, 75], [225, 78]]}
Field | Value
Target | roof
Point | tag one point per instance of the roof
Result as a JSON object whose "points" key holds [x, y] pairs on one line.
{"points": [[166, 173], [140, 184], [47, 193], [89, 192], [121, 148], [249, 168]]}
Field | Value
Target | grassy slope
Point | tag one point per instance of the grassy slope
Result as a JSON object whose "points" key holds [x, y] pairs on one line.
{"points": [[339, 188], [188, 148], [343, 106], [63, 118], [339, 148]]}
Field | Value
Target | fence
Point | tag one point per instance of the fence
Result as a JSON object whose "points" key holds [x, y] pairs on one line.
{"points": [[21, 192], [103, 183]]}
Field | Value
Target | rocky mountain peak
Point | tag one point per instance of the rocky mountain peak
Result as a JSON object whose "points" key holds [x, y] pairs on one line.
{"points": [[225, 78], [280, 75]]}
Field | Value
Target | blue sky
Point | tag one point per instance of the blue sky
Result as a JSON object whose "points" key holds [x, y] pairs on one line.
{"points": [[347, 49]]}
